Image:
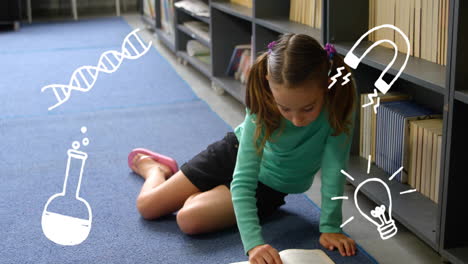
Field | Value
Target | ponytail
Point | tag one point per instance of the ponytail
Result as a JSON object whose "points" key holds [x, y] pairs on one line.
{"points": [[259, 100], [341, 99]]}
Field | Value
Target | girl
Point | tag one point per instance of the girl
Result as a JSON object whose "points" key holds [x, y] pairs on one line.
{"points": [[294, 126]]}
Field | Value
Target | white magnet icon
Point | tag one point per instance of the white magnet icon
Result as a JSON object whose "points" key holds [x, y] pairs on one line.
{"points": [[353, 61]]}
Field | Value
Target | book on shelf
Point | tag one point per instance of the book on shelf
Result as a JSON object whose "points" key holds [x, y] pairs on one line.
{"points": [[437, 173], [199, 51], [242, 64], [402, 21], [167, 16], [434, 134], [148, 8], [243, 69], [301, 256], [196, 7], [318, 14], [425, 156], [246, 3], [417, 28], [236, 58], [196, 48], [204, 58], [393, 135], [200, 28], [246, 69], [368, 124], [307, 12], [424, 22]]}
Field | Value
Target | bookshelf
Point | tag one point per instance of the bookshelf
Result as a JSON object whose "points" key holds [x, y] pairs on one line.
{"points": [[435, 86], [10, 15], [258, 25], [416, 212], [438, 87], [454, 240], [148, 13], [157, 25], [184, 34]]}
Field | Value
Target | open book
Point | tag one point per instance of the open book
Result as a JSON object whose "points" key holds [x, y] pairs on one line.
{"points": [[301, 256]]}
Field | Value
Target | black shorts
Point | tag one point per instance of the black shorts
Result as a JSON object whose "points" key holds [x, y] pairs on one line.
{"points": [[214, 166]]}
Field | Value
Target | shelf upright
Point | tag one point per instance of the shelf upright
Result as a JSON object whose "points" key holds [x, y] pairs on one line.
{"points": [[454, 235]]}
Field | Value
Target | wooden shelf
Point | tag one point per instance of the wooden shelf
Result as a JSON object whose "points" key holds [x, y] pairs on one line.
{"points": [[201, 18], [196, 63], [418, 71], [462, 96], [284, 25], [233, 9], [456, 255], [415, 211], [193, 35], [232, 86], [167, 39]]}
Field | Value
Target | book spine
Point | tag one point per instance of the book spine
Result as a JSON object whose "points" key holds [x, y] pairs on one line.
{"points": [[438, 172]]}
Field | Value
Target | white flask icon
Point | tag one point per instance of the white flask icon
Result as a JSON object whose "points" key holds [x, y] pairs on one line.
{"points": [[64, 229]]}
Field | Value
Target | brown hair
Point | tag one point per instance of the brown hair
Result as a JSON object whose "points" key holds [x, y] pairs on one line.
{"points": [[293, 59]]}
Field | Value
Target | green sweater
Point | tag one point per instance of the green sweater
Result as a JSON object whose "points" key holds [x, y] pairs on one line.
{"points": [[288, 164]]}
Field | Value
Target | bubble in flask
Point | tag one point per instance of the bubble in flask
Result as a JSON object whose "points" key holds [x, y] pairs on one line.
{"points": [[84, 129], [85, 141], [76, 145]]}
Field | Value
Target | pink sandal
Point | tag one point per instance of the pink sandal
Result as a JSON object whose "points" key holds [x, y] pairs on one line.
{"points": [[171, 163]]}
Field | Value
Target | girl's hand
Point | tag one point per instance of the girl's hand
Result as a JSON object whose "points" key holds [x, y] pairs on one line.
{"points": [[344, 244], [264, 254]]}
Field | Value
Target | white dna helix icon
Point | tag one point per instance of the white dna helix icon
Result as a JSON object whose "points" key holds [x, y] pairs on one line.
{"points": [[84, 78]]}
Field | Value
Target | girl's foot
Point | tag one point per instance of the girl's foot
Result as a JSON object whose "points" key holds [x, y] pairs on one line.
{"points": [[145, 166]]}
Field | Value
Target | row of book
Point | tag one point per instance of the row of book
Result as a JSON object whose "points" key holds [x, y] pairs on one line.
{"points": [[425, 22], [148, 8], [240, 62], [403, 134], [167, 16], [308, 12]]}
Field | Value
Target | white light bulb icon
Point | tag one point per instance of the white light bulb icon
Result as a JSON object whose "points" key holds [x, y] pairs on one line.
{"points": [[385, 225]]}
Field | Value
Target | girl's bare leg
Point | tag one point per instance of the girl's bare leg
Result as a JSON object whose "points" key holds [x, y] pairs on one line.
{"points": [[207, 211], [160, 196], [200, 212]]}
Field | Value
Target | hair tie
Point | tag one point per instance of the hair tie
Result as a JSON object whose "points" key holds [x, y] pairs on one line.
{"points": [[330, 49], [271, 45]]}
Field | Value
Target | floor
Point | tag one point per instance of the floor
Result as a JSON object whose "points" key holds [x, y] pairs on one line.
{"points": [[402, 248]]}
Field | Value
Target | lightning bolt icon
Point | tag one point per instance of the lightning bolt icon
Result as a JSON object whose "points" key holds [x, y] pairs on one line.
{"points": [[376, 105], [370, 98], [333, 78], [346, 79]]}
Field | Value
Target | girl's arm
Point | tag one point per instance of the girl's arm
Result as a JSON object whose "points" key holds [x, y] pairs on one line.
{"points": [[335, 158], [244, 185]]}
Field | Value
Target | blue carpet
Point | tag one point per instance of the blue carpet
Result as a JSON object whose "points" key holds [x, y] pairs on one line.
{"points": [[133, 107], [66, 35]]}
